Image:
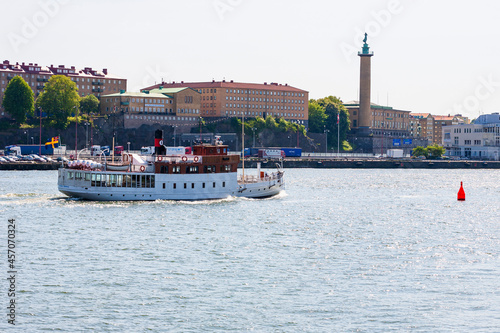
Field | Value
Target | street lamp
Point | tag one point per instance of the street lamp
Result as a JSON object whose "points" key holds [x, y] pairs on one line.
{"points": [[27, 141], [175, 126], [32, 141], [253, 130], [326, 140], [128, 147], [76, 131]]}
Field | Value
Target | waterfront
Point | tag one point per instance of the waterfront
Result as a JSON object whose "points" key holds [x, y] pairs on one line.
{"points": [[342, 250]]}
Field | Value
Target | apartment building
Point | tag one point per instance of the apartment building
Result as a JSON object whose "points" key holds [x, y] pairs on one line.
{"points": [[237, 99], [419, 123], [170, 106], [480, 140], [384, 120], [87, 80]]}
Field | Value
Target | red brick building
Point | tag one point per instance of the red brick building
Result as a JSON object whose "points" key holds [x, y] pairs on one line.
{"points": [[88, 81], [236, 99]]}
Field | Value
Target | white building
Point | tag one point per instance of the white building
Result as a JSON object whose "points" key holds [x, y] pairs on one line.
{"points": [[480, 140]]}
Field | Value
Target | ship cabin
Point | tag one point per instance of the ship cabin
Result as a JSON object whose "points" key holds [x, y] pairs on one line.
{"points": [[206, 158]]}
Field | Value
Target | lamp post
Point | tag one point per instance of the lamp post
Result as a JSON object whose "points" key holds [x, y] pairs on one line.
{"points": [[76, 131], [27, 141], [128, 147], [326, 140], [32, 141], [40, 147], [253, 130]]}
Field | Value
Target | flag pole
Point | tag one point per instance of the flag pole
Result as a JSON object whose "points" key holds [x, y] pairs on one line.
{"points": [[338, 133]]}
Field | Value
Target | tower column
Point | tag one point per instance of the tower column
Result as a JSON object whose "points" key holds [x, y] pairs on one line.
{"points": [[364, 113]]}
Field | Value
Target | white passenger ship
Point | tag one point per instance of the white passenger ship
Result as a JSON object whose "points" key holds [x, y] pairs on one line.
{"points": [[208, 173]]}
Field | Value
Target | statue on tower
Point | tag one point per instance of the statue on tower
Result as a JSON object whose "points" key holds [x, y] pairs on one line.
{"points": [[366, 48]]}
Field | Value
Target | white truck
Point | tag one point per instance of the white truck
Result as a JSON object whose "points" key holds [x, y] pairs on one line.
{"points": [[395, 153]]}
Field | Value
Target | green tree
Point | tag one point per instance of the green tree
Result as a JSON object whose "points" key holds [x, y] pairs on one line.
{"points": [[18, 100], [333, 109], [89, 104], [435, 151], [317, 117], [58, 100], [420, 151]]}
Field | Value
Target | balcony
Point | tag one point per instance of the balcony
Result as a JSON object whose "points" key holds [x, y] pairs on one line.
{"points": [[124, 103], [97, 90], [97, 83], [41, 79], [39, 87]]}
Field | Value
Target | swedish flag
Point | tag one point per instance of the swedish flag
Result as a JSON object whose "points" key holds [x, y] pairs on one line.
{"points": [[54, 142]]}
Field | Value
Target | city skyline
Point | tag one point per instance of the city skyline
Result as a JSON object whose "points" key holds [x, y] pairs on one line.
{"points": [[428, 57]]}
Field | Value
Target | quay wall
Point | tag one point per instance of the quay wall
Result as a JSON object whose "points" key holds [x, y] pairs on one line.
{"points": [[317, 163]]}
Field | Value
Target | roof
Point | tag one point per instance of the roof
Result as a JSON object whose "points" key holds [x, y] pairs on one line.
{"points": [[419, 115], [443, 118], [230, 84], [163, 90], [30, 68], [372, 105], [137, 94]]}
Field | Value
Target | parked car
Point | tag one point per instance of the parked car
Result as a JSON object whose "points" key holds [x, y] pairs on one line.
{"points": [[62, 159]]}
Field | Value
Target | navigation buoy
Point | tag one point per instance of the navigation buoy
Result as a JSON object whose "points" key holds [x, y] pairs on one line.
{"points": [[461, 193]]}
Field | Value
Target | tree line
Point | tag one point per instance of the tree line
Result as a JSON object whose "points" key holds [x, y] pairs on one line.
{"points": [[58, 101], [329, 115]]}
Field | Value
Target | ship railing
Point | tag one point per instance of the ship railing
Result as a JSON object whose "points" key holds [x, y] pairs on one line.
{"points": [[175, 158], [255, 179]]}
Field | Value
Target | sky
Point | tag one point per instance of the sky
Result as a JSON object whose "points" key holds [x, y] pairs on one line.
{"points": [[439, 57]]}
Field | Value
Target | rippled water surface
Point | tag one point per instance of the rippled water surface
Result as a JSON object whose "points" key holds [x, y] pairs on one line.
{"points": [[340, 250]]}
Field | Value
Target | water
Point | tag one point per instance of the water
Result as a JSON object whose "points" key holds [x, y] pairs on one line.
{"points": [[342, 250]]}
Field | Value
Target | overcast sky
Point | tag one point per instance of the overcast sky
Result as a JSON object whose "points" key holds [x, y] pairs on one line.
{"points": [[429, 56]]}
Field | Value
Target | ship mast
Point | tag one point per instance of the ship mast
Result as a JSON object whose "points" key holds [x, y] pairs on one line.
{"points": [[243, 147]]}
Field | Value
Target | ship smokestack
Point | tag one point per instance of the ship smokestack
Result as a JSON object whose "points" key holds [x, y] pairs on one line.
{"points": [[159, 147]]}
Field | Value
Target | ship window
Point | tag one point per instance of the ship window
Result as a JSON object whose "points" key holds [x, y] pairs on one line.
{"points": [[163, 185], [223, 184], [143, 181], [192, 185], [119, 180], [87, 176], [214, 184], [164, 169], [176, 169], [185, 185], [112, 180], [134, 181], [152, 181], [203, 185], [175, 186]]}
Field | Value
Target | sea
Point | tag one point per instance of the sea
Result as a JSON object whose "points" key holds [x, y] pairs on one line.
{"points": [[340, 250]]}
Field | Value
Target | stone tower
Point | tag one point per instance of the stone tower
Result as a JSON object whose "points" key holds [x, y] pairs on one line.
{"points": [[364, 117]]}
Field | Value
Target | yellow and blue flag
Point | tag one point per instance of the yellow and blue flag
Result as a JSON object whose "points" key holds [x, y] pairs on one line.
{"points": [[54, 142]]}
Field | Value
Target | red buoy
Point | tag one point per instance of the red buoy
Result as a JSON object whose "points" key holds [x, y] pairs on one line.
{"points": [[461, 193]]}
